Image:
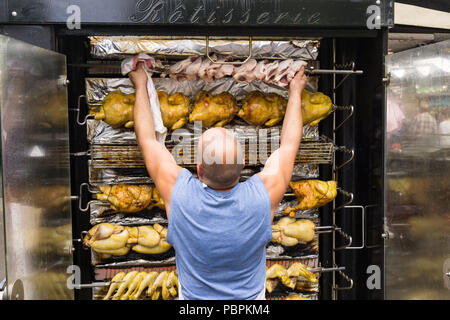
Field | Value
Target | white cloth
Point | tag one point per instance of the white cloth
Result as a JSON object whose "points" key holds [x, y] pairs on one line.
{"points": [[149, 63]]}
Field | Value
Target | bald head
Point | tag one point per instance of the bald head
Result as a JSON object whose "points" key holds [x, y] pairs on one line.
{"points": [[219, 158]]}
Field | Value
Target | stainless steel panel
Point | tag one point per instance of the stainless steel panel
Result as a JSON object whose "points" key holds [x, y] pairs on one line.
{"points": [[417, 209], [35, 158]]}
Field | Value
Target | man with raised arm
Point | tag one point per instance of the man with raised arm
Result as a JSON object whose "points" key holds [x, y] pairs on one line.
{"points": [[219, 226]]}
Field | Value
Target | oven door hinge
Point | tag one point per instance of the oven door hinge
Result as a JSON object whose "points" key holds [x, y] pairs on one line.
{"points": [[387, 79]]}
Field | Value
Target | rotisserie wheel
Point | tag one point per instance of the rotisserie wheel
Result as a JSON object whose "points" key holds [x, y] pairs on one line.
{"points": [[289, 231], [311, 194], [126, 197], [174, 109], [315, 107], [212, 110], [116, 109], [259, 109]]}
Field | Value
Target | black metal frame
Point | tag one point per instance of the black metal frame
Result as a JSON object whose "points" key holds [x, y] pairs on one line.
{"points": [[365, 131]]}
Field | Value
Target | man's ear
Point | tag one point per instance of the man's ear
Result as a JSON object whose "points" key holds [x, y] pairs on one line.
{"points": [[200, 172]]}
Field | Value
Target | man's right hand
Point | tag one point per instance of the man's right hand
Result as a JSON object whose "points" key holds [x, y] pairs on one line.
{"points": [[298, 83], [138, 76]]}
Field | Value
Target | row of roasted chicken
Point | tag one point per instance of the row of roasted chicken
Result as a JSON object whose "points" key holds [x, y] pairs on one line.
{"points": [[136, 285], [129, 198], [108, 239], [257, 109]]}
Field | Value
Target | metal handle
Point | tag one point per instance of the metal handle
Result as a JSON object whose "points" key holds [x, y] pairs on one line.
{"points": [[347, 278], [88, 116], [345, 108], [95, 284], [349, 195], [325, 229], [80, 197], [345, 236], [230, 62], [363, 226], [352, 155]]}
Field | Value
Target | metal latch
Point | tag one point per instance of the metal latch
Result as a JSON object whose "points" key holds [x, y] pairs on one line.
{"points": [[387, 79]]}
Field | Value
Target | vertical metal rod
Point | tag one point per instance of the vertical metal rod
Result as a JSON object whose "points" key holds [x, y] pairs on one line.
{"points": [[334, 177]]}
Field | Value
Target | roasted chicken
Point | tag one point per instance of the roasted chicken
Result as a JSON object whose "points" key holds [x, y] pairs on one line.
{"points": [[315, 107], [131, 198], [259, 109], [116, 109], [111, 239], [296, 297], [108, 239], [149, 239], [295, 273], [311, 194], [131, 285], [126, 197], [289, 232], [212, 110], [157, 201], [115, 284], [174, 109]]}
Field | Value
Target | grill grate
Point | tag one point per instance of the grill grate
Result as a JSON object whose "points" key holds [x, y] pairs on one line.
{"points": [[130, 156]]}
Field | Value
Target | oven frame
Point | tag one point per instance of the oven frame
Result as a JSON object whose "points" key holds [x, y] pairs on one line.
{"points": [[364, 132]]}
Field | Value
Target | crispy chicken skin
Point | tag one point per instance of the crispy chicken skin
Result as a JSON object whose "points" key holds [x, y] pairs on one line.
{"points": [[213, 110], [116, 109], [112, 239], [260, 109], [311, 194], [174, 109], [315, 107]]}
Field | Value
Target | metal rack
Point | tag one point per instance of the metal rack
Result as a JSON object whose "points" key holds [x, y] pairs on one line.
{"points": [[350, 66], [322, 151]]}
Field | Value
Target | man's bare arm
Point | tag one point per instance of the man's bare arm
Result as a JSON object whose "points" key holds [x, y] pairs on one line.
{"points": [[159, 161], [277, 171]]}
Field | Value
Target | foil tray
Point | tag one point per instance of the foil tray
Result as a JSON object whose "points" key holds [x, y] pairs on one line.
{"points": [[140, 175], [121, 47], [280, 292], [99, 132], [98, 88]]}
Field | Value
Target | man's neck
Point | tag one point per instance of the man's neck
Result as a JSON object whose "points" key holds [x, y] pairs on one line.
{"points": [[226, 189]]}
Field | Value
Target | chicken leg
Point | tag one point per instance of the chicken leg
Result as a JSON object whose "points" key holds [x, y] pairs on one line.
{"points": [[115, 283], [146, 282], [127, 280]]}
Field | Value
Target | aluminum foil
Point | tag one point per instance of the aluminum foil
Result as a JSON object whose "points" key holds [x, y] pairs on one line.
{"points": [[140, 175], [99, 132], [120, 47], [123, 262], [98, 88], [101, 212]]}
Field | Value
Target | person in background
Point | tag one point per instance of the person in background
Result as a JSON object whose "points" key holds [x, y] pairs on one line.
{"points": [[444, 130], [423, 124]]}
